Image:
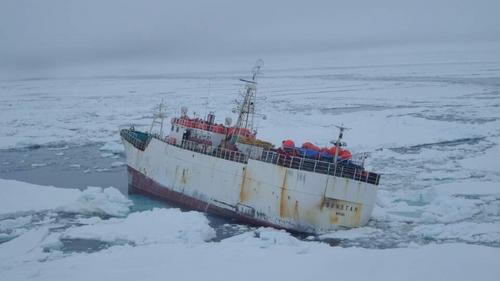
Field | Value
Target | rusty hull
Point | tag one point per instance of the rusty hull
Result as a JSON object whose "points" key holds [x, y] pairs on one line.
{"points": [[298, 200]]}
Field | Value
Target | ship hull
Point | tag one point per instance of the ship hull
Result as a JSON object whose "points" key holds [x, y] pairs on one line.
{"points": [[253, 192], [139, 183]]}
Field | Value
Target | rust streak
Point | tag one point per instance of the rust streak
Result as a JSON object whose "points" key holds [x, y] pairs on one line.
{"points": [[334, 219], [184, 176], [296, 210], [283, 198], [175, 175], [357, 215], [322, 203], [243, 188]]}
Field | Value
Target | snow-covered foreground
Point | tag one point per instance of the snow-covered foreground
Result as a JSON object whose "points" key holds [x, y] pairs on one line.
{"points": [[167, 244]]}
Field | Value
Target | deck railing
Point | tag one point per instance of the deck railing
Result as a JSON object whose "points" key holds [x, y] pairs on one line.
{"points": [[343, 168], [132, 138], [218, 152]]}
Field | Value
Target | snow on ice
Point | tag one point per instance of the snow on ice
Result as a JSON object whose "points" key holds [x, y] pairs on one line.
{"points": [[431, 126], [18, 196], [159, 243], [147, 227], [107, 201], [468, 231], [261, 249]]}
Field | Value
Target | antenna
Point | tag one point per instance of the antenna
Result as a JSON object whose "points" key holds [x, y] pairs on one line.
{"points": [[339, 139], [207, 100], [256, 68]]}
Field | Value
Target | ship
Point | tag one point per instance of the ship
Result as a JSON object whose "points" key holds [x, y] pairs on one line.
{"points": [[224, 169]]}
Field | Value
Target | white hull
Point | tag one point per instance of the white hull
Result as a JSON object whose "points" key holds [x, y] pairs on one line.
{"points": [[265, 193]]}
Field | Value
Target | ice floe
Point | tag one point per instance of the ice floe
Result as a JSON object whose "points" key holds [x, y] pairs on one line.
{"points": [[265, 238], [112, 146], [39, 164], [355, 233], [16, 196], [9, 224], [24, 246], [464, 231], [117, 164], [147, 227], [163, 242], [279, 259], [96, 200], [469, 187], [486, 161]]}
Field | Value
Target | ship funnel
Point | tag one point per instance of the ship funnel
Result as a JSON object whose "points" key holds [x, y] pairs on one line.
{"points": [[228, 121], [184, 111]]}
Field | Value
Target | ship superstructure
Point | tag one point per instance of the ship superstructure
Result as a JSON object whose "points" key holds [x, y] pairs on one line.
{"points": [[226, 170]]}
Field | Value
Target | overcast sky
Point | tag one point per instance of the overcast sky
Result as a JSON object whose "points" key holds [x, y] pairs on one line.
{"points": [[49, 32]]}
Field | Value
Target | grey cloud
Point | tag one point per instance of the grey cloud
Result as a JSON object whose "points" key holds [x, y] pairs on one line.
{"points": [[35, 33]]}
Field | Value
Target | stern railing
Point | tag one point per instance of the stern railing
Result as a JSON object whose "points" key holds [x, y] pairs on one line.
{"points": [[343, 168]]}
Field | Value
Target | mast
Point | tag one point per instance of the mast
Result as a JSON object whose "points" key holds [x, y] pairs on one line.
{"points": [[338, 143], [158, 118], [246, 106]]}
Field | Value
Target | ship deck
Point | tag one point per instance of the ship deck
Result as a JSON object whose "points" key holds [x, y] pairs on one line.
{"points": [[343, 169]]}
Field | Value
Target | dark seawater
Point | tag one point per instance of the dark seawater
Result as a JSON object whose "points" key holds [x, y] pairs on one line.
{"points": [[67, 166]]}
